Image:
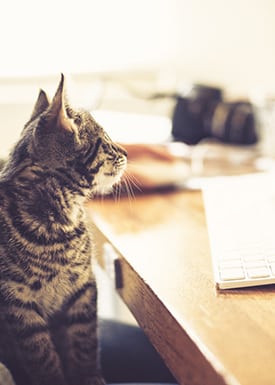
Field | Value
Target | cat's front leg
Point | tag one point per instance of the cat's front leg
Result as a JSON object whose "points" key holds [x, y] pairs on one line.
{"points": [[79, 351], [35, 349]]}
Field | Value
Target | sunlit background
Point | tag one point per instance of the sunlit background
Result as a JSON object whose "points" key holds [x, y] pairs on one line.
{"points": [[229, 42], [107, 47]]}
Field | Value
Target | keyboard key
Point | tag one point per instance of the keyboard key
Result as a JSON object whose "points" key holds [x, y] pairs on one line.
{"points": [[260, 272], [229, 263], [255, 264], [254, 257], [232, 274]]}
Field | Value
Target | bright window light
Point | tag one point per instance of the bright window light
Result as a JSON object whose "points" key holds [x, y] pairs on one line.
{"points": [[46, 37]]}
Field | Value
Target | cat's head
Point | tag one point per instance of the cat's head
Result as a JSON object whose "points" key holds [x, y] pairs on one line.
{"points": [[59, 139]]}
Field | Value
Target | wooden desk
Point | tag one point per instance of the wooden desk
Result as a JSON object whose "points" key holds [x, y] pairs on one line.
{"points": [[205, 337]]}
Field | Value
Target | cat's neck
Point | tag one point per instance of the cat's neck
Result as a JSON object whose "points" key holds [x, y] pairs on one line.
{"points": [[44, 195]]}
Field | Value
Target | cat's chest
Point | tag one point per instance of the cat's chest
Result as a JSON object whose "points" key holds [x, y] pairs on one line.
{"points": [[51, 296]]}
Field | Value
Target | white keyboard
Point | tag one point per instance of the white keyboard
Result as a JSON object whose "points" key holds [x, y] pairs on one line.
{"points": [[240, 214]]}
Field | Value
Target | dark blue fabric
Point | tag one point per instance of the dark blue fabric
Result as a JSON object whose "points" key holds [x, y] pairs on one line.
{"points": [[127, 356]]}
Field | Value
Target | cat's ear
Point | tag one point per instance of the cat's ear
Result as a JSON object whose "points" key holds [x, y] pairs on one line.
{"points": [[41, 104], [56, 114]]}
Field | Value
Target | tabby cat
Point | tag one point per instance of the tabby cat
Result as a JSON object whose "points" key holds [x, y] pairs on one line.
{"points": [[48, 315]]}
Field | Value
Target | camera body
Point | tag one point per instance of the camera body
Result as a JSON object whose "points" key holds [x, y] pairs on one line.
{"points": [[202, 113]]}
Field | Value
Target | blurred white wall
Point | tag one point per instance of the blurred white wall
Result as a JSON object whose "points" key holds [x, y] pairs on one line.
{"points": [[229, 42], [86, 35], [219, 41]]}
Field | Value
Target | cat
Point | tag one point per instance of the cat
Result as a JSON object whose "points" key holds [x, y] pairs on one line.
{"points": [[48, 294]]}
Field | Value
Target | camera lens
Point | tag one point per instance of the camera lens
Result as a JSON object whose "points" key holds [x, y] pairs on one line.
{"points": [[233, 123], [202, 113]]}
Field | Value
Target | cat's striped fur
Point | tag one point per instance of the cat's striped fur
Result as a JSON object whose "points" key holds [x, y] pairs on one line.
{"points": [[48, 315]]}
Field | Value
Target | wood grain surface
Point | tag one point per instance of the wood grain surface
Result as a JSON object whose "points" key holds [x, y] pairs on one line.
{"points": [[164, 275]]}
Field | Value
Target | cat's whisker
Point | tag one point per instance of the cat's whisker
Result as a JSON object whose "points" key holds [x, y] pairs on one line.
{"points": [[129, 183], [129, 190], [113, 193], [102, 198], [116, 192], [119, 190], [133, 181]]}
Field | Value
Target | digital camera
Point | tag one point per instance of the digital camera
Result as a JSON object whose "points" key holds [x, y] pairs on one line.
{"points": [[202, 113]]}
